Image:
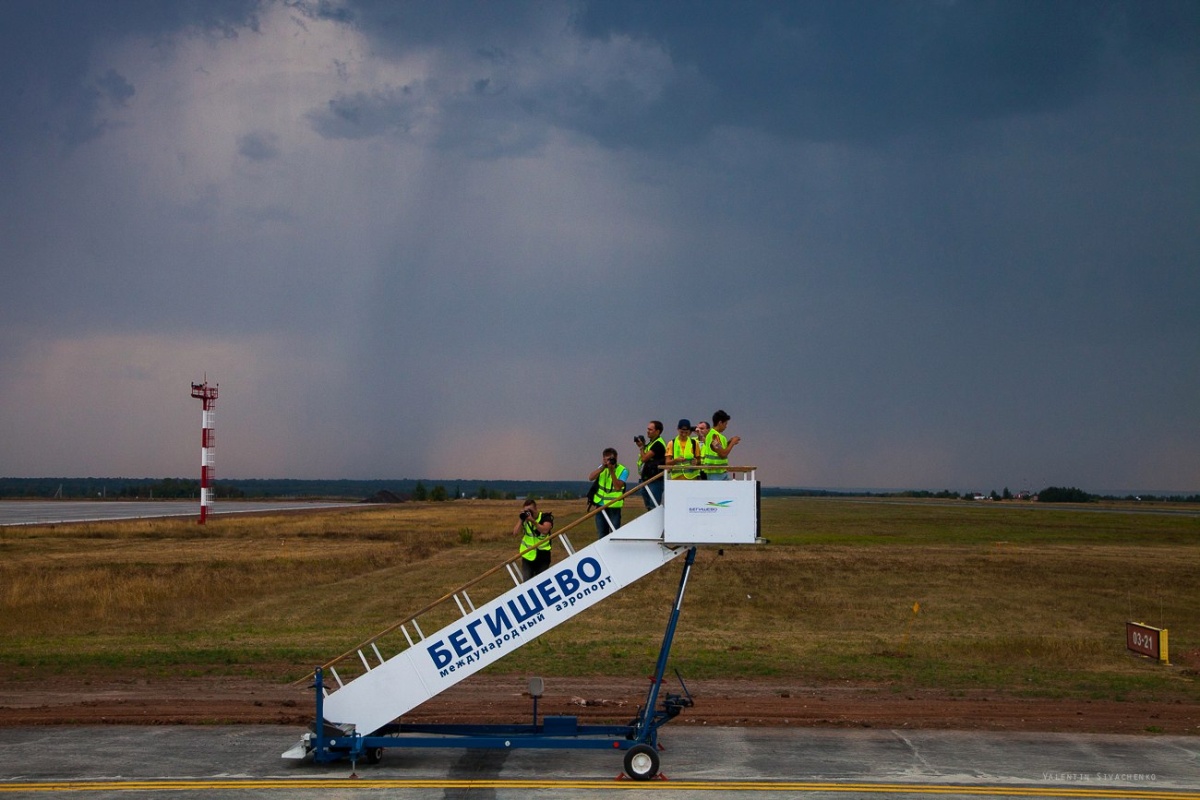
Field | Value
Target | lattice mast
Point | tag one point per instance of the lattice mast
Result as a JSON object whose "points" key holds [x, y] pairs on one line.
{"points": [[208, 442]]}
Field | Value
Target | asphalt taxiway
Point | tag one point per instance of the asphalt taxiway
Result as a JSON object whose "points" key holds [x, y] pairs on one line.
{"points": [[244, 761]]}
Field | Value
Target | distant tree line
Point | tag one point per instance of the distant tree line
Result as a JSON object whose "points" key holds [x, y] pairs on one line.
{"points": [[114, 488], [1051, 494], [424, 489], [282, 488], [1059, 494]]}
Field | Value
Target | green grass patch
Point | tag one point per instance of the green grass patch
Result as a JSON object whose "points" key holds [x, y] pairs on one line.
{"points": [[895, 595]]}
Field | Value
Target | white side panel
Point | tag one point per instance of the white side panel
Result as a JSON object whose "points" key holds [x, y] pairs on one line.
{"points": [[710, 512], [646, 527], [496, 629]]}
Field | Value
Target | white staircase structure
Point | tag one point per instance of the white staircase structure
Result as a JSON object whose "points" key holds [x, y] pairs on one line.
{"points": [[383, 689]]}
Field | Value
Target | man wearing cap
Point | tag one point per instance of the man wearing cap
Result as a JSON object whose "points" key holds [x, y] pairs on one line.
{"points": [[683, 450]]}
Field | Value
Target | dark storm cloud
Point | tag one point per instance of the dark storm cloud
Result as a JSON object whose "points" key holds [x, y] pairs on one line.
{"points": [[474, 120], [85, 118], [46, 50], [814, 71], [868, 70], [259, 145], [360, 115], [495, 100], [397, 26], [115, 88]]}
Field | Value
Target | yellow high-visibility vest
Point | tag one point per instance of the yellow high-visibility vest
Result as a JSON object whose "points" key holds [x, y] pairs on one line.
{"points": [[710, 457], [606, 492], [649, 445], [683, 454], [533, 537]]}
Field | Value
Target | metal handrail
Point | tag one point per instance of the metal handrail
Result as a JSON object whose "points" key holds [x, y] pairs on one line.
{"points": [[446, 597], [706, 467]]}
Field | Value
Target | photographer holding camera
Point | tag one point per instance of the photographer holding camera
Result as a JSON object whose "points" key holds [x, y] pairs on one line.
{"points": [[609, 479], [535, 528], [651, 459]]}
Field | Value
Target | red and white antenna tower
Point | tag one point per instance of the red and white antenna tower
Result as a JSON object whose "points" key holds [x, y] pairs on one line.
{"points": [[208, 442]]}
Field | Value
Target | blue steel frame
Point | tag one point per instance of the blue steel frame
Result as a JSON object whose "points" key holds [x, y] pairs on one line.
{"points": [[328, 743]]}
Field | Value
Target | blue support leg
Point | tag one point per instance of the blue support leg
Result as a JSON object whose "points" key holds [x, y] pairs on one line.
{"points": [[651, 719]]}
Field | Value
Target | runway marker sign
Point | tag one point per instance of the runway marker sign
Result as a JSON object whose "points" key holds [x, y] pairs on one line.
{"points": [[1147, 641]]}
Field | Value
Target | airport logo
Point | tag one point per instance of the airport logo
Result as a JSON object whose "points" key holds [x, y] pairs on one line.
{"points": [[711, 507]]}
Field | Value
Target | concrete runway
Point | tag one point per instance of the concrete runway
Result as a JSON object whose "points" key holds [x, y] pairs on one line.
{"points": [[43, 512], [244, 761]]}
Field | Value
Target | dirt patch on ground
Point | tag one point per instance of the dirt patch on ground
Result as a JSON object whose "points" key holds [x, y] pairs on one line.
{"points": [[502, 699]]}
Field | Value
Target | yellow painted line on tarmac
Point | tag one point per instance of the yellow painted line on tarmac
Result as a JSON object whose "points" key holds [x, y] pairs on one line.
{"points": [[251, 785]]}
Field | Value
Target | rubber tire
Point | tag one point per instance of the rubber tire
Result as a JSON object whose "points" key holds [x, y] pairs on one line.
{"points": [[641, 762], [373, 755]]}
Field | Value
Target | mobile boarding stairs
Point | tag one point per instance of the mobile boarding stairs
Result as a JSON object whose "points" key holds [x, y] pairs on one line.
{"points": [[362, 695]]}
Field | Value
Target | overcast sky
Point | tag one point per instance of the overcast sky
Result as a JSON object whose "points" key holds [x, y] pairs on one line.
{"points": [[928, 244]]}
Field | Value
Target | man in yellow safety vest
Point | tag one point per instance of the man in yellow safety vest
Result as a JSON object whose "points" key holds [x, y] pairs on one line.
{"points": [[535, 528], [717, 447], [610, 479]]}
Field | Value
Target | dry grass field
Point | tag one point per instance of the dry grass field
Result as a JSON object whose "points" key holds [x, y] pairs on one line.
{"points": [[898, 596]]}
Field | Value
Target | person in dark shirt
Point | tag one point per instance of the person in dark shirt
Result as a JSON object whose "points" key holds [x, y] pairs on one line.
{"points": [[652, 456]]}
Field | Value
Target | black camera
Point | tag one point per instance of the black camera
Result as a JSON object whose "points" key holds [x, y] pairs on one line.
{"points": [[611, 460], [526, 515], [639, 440]]}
